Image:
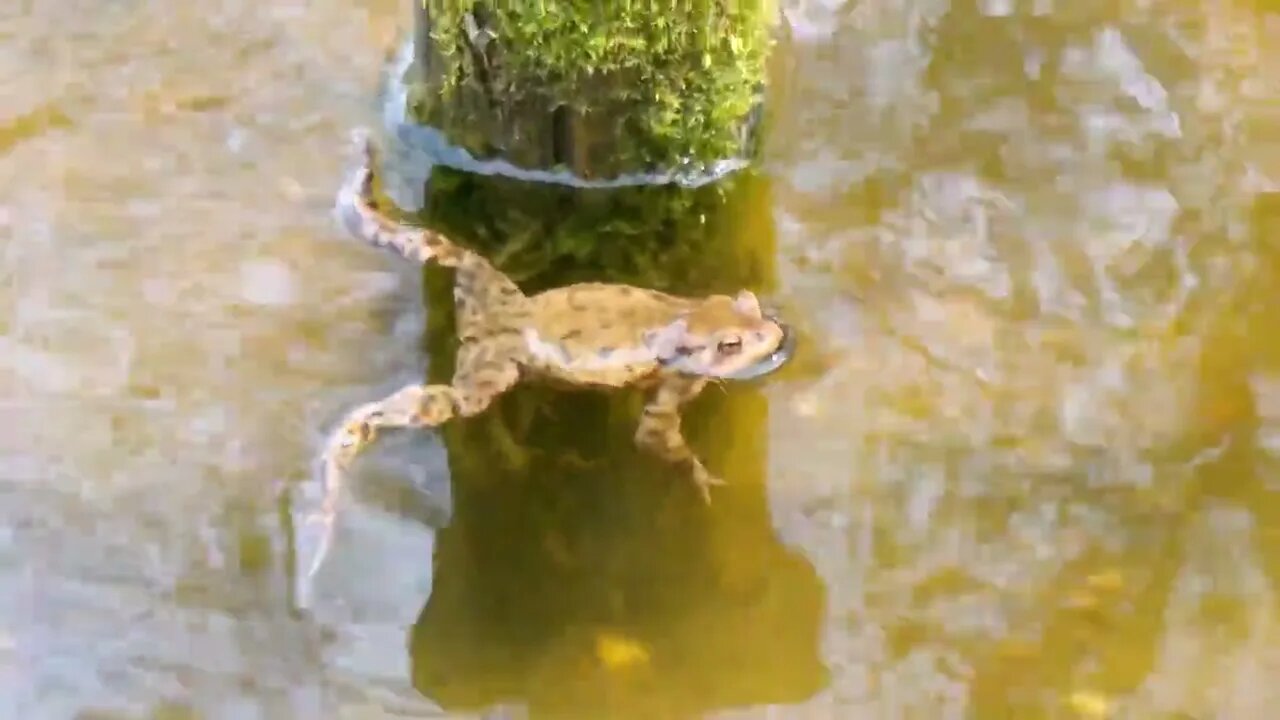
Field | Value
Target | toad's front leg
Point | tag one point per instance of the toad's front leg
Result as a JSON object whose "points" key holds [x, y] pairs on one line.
{"points": [[659, 430], [415, 405]]}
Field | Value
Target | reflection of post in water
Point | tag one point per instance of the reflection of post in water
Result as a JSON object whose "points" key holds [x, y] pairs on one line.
{"points": [[581, 575], [580, 570]]}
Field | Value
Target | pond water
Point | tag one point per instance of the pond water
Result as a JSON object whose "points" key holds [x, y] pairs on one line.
{"points": [[1028, 465]]}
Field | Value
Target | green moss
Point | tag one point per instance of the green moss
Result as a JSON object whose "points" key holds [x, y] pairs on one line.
{"points": [[639, 86]]}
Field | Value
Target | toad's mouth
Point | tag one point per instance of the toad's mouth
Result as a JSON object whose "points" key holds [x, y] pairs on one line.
{"points": [[771, 362]]}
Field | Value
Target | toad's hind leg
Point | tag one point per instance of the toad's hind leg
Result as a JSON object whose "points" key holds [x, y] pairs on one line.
{"points": [[481, 294], [480, 291], [484, 372], [659, 431]]}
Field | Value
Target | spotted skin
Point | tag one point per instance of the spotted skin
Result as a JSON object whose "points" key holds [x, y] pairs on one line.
{"points": [[584, 335]]}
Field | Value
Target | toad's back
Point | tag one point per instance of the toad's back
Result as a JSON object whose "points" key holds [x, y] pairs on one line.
{"points": [[594, 334]]}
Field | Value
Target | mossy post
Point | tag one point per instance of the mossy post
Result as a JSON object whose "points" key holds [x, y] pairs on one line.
{"points": [[573, 141], [602, 89]]}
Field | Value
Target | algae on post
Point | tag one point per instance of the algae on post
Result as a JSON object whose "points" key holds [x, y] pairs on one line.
{"points": [[601, 88]]}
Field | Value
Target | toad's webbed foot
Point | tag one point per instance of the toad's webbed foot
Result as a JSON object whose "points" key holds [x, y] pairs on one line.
{"points": [[703, 480], [670, 445], [659, 432]]}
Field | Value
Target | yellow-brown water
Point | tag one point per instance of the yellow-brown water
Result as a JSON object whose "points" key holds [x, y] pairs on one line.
{"points": [[1027, 465]]}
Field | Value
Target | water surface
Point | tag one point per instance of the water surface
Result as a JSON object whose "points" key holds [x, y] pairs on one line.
{"points": [[1027, 467]]}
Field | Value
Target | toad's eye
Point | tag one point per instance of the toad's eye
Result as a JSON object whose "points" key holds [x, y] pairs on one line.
{"points": [[730, 346]]}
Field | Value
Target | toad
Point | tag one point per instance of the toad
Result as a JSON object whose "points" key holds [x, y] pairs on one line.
{"points": [[594, 335]]}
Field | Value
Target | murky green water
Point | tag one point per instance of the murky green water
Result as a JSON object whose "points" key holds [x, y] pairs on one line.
{"points": [[1026, 467]]}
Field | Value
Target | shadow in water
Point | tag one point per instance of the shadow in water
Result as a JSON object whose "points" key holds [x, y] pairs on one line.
{"points": [[591, 580], [579, 574]]}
